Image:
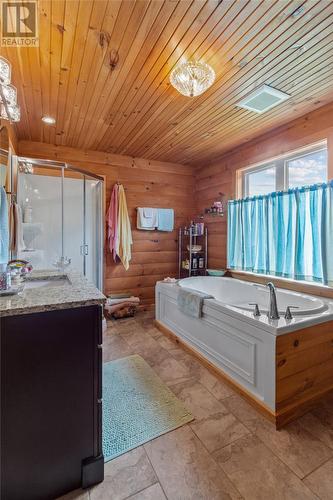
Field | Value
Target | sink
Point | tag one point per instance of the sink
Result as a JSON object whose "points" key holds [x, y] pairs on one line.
{"points": [[46, 283]]}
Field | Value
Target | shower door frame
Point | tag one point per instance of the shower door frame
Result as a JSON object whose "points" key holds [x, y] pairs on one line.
{"points": [[41, 163]]}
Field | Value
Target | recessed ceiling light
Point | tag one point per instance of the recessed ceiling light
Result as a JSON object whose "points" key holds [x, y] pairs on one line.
{"points": [[49, 120]]}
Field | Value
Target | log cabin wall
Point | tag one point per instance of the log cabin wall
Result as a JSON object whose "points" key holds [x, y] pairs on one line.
{"points": [[221, 176], [12, 137], [147, 183]]}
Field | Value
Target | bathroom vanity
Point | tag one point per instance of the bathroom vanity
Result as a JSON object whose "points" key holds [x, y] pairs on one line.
{"points": [[51, 369]]}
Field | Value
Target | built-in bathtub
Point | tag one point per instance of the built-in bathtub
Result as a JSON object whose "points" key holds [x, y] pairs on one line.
{"points": [[248, 349]]}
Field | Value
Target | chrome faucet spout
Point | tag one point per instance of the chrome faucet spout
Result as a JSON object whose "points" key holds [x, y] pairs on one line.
{"points": [[273, 312]]}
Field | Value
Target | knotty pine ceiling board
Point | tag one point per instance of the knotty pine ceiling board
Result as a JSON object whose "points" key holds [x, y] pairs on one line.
{"points": [[102, 70]]}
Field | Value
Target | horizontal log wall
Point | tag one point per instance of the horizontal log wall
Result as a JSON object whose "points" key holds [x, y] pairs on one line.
{"points": [[146, 183], [304, 370], [219, 177]]}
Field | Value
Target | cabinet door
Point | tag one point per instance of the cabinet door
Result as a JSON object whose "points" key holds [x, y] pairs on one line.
{"points": [[49, 384]]}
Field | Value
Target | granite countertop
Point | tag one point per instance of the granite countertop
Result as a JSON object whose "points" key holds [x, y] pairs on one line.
{"points": [[69, 290]]}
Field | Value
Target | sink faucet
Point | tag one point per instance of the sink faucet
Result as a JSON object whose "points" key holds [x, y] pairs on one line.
{"points": [[273, 312]]}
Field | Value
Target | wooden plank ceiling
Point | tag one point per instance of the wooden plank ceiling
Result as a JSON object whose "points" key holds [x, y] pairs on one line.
{"points": [[129, 107]]}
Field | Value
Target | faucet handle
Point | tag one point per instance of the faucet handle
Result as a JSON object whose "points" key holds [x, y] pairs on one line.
{"points": [[288, 314], [256, 311]]}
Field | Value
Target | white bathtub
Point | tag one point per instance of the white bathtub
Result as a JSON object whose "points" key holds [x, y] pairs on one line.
{"points": [[228, 334], [241, 294]]}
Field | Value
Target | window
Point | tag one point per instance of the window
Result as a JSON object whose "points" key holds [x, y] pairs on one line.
{"points": [[288, 171]]}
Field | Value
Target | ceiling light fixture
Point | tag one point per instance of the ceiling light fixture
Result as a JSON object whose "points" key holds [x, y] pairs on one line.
{"points": [[192, 78], [9, 110], [49, 120]]}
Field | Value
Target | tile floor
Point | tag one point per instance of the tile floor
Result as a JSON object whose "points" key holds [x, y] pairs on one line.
{"points": [[228, 452]]}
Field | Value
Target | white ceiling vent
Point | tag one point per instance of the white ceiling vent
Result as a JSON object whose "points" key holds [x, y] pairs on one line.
{"points": [[263, 99]]}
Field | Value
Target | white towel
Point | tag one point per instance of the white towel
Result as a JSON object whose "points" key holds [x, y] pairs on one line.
{"points": [[148, 212], [147, 223]]}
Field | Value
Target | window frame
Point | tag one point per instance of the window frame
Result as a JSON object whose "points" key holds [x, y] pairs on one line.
{"points": [[281, 169]]}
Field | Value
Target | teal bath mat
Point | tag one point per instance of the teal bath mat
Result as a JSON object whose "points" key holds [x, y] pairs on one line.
{"points": [[137, 406]]}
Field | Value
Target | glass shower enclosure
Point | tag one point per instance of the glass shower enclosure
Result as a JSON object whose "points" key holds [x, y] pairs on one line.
{"points": [[62, 217]]}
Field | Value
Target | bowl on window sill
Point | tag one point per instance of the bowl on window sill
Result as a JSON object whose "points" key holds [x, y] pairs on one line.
{"points": [[216, 272]]}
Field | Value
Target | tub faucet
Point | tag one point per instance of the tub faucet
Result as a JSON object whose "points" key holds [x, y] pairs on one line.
{"points": [[273, 312]]}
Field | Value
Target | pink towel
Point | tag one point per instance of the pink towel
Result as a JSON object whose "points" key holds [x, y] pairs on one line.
{"points": [[112, 221]]}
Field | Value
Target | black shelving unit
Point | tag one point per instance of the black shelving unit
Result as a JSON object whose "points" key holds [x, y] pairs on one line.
{"points": [[196, 262]]}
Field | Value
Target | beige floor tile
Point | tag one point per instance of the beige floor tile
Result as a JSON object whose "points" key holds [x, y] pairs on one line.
{"points": [[135, 335], [151, 351], [219, 430], [244, 412], [116, 348], [318, 427], [186, 470], [321, 481], [170, 370], [154, 332], [214, 424], [197, 399], [165, 343], [298, 448], [295, 446], [154, 492], [125, 476], [258, 474], [216, 386]]}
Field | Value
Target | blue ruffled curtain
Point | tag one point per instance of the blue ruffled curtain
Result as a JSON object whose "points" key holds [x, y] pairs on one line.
{"points": [[286, 233]]}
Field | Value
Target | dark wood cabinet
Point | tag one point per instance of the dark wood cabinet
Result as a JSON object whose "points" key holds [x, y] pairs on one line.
{"points": [[51, 410]]}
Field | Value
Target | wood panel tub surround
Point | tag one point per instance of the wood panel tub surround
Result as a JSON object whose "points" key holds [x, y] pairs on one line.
{"points": [[147, 183], [304, 370]]}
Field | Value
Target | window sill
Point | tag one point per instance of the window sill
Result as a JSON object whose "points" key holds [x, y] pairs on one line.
{"points": [[297, 286]]}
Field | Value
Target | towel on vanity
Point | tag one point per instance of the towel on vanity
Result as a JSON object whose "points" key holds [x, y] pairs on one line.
{"points": [[147, 218], [191, 302], [165, 219]]}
